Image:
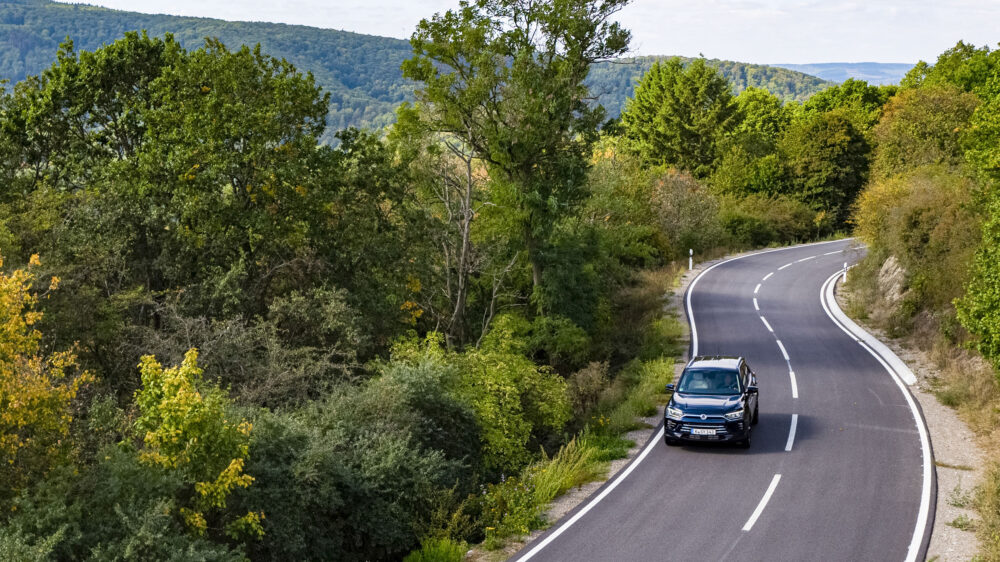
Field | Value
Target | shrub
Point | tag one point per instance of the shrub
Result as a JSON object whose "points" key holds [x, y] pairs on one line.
{"points": [[438, 550], [688, 214], [509, 509], [574, 465], [760, 220]]}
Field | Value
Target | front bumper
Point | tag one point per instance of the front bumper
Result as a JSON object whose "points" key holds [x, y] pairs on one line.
{"points": [[692, 428]]}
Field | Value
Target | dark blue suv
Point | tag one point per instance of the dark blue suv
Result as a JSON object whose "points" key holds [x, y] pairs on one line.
{"points": [[714, 400]]}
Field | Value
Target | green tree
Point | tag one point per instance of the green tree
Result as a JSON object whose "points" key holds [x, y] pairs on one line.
{"points": [[861, 103], [827, 161], [922, 126], [979, 309], [764, 115], [508, 77], [680, 115]]}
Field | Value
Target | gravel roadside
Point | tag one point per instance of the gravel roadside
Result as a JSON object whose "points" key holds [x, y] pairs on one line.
{"points": [[958, 457]]}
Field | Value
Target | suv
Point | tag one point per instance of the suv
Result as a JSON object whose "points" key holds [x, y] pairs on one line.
{"points": [[715, 400]]}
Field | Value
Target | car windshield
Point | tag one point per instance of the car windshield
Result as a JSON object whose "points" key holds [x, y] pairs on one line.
{"points": [[709, 381]]}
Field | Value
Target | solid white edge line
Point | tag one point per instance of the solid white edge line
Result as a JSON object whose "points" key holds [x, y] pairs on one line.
{"points": [[791, 432], [783, 352], [829, 303], [768, 276], [795, 385], [789, 264], [757, 288], [562, 528], [769, 328], [763, 503], [755, 305], [659, 434]]}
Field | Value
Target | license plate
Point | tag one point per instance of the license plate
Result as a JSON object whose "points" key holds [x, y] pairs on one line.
{"points": [[702, 431]]}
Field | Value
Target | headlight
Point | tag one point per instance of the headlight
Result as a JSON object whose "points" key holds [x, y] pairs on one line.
{"points": [[674, 413], [735, 415]]}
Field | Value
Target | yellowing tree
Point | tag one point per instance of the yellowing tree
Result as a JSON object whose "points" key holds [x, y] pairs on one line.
{"points": [[184, 425], [36, 390]]}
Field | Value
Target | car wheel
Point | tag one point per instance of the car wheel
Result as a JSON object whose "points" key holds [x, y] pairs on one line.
{"points": [[670, 442], [746, 442], [756, 418]]}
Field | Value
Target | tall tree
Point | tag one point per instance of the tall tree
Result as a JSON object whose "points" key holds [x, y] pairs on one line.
{"points": [[827, 160], [507, 77], [679, 115]]}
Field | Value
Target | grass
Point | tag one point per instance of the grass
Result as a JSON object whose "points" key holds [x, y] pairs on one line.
{"points": [[439, 550], [963, 523], [943, 464]]}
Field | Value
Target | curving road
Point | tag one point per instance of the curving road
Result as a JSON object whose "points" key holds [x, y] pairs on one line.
{"points": [[839, 468]]}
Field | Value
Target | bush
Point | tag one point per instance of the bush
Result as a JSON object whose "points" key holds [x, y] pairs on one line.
{"points": [[438, 550], [687, 213], [509, 509], [574, 465], [761, 220]]}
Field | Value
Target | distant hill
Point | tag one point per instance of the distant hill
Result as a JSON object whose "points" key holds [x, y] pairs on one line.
{"points": [[360, 71], [871, 72], [615, 81]]}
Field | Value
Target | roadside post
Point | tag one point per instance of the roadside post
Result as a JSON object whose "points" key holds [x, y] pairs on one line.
{"points": [[691, 259]]}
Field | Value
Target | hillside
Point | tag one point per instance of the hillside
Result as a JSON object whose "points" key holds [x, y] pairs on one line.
{"points": [[614, 81], [871, 72], [361, 71]]}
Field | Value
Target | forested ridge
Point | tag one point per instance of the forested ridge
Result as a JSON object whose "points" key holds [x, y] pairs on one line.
{"points": [[225, 339], [361, 72]]}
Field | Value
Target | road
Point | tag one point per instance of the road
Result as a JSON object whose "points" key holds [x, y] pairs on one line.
{"points": [[851, 481]]}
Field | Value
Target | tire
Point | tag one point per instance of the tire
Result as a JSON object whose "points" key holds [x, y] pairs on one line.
{"points": [[745, 444], [756, 418], [670, 442]]}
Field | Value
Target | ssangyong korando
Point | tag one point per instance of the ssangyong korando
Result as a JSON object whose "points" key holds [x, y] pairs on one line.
{"points": [[714, 400]]}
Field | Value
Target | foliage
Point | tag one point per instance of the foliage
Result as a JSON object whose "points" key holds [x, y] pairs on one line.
{"points": [[494, 62], [979, 309], [765, 117], [614, 82], [438, 550], [37, 389], [687, 214], [761, 220], [860, 102], [827, 160], [680, 114], [921, 126], [184, 427]]}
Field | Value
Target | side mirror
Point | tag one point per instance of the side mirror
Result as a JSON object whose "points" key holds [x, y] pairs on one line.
{"points": [[670, 387], [751, 390]]}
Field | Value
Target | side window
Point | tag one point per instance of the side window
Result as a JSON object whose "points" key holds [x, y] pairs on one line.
{"points": [[745, 375]]}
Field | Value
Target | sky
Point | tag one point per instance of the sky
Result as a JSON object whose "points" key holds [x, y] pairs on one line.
{"points": [[766, 31]]}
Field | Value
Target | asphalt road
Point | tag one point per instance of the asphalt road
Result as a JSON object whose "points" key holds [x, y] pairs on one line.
{"points": [[847, 485]]}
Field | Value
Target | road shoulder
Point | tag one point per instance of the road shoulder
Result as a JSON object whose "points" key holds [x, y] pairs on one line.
{"points": [[959, 460]]}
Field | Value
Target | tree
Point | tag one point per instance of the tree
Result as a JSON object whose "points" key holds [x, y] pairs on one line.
{"points": [[861, 102], [680, 115], [185, 428], [764, 115], [827, 161], [979, 309], [507, 77], [37, 390], [922, 126]]}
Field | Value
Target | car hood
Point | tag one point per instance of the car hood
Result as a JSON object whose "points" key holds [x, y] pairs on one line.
{"points": [[706, 403]]}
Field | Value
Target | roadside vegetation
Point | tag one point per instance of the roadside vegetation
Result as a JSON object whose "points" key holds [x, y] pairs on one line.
{"points": [[929, 217], [223, 339]]}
